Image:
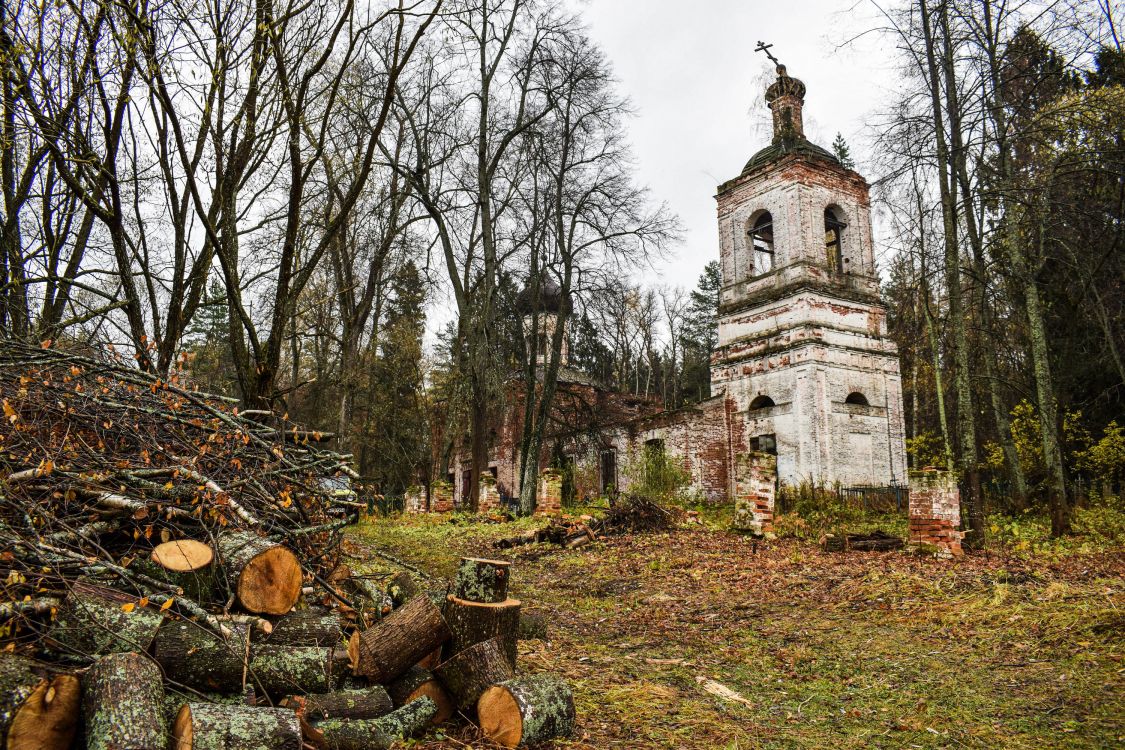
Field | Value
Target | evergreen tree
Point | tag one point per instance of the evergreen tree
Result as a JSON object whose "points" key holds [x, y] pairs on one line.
{"points": [[206, 348], [843, 153], [701, 334]]}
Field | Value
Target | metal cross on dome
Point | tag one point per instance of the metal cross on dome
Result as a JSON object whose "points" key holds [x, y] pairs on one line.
{"points": [[763, 47]]}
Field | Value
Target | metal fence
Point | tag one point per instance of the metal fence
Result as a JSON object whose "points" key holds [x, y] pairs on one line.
{"points": [[887, 499]]}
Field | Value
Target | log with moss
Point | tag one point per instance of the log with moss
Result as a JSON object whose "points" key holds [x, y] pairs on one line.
{"points": [[197, 658], [374, 734], [285, 670], [402, 588], [95, 620], [473, 622], [417, 682], [526, 711], [306, 628], [480, 580], [123, 704], [38, 709], [264, 576], [395, 644], [366, 703], [210, 726], [186, 563], [471, 672]]}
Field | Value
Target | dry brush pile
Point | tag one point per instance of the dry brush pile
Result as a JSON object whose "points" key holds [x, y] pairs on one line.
{"points": [[171, 579]]}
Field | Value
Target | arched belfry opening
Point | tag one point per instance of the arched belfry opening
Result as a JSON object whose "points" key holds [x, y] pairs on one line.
{"points": [[761, 243], [856, 399], [761, 402], [834, 240]]}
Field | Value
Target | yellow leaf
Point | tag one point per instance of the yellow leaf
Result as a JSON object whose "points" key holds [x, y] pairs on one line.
{"points": [[129, 607], [143, 602], [167, 603]]}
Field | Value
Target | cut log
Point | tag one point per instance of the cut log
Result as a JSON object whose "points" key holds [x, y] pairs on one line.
{"points": [[123, 704], [471, 672], [402, 588], [200, 659], [285, 670], [368, 703], [388, 649], [472, 622], [374, 734], [480, 580], [208, 726], [174, 700], [306, 628], [416, 683], [264, 576], [527, 710], [38, 711], [371, 601], [430, 660], [185, 563], [95, 621]]}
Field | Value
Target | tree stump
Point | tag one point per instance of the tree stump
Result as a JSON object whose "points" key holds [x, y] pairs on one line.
{"points": [[526, 711], [471, 672], [37, 711], [417, 683], [185, 563], [473, 622], [123, 704], [93, 621], [264, 576], [374, 734], [306, 628], [284, 670], [480, 580], [368, 703], [209, 726], [392, 646], [199, 659]]}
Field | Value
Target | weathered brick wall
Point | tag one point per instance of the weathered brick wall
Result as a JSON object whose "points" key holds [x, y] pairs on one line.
{"points": [[489, 499], [755, 488], [549, 497], [441, 497], [935, 510], [415, 498]]}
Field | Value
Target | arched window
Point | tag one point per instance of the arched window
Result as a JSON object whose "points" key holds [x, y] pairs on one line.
{"points": [[857, 398], [833, 238], [761, 240], [761, 402]]}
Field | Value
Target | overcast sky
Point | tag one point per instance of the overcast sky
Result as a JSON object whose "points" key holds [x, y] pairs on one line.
{"points": [[697, 87]]}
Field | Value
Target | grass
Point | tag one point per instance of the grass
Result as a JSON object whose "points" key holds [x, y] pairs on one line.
{"points": [[848, 650]]}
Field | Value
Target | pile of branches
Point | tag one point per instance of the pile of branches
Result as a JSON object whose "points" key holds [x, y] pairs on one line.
{"points": [[100, 463], [637, 513]]}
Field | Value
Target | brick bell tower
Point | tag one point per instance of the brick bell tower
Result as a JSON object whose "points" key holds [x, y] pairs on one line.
{"points": [[803, 349]]}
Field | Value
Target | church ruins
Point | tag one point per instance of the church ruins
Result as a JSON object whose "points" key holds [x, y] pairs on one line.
{"points": [[804, 373]]}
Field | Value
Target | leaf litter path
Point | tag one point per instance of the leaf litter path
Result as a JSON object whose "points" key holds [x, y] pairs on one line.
{"points": [[705, 639]]}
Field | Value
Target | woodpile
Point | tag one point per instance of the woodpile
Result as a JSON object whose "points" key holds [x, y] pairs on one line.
{"points": [[629, 515], [172, 580]]}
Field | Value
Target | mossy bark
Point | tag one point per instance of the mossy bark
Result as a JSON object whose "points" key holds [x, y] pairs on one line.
{"points": [[122, 704], [287, 670], [208, 726], [374, 734], [527, 710], [306, 628], [388, 649], [199, 659], [37, 709], [264, 576], [480, 580], [473, 622], [368, 703], [92, 623], [471, 672], [197, 585], [416, 683]]}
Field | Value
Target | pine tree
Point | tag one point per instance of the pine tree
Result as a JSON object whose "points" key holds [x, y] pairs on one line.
{"points": [[843, 153], [701, 334]]}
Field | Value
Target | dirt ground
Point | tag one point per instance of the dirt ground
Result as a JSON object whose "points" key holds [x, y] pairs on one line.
{"points": [[807, 649]]}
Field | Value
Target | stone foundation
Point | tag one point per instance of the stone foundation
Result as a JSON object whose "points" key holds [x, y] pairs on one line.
{"points": [[755, 486], [441, 497], [415, 499], [489, 499], [549, 497], [935, 510]]}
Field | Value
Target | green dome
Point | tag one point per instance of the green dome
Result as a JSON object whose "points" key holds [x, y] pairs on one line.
{"points": [[778, 149]]}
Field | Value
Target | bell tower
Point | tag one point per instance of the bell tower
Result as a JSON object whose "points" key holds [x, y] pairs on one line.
{"points": [[803, 348]]}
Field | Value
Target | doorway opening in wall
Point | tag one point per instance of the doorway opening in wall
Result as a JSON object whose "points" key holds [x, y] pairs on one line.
{"points": [[466, 485], [569, 486], [609, 473]]}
